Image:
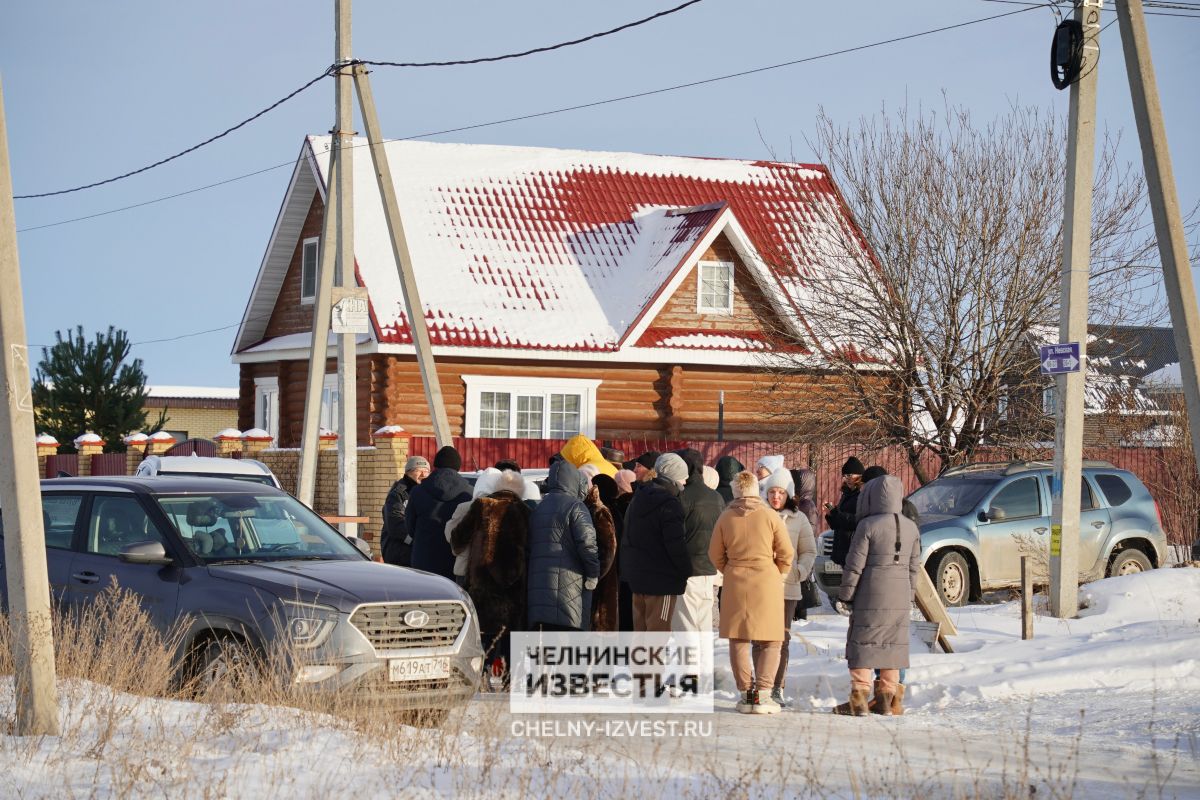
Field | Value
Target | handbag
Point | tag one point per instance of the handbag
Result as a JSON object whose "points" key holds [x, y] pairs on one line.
{"points": [[810, 595]]}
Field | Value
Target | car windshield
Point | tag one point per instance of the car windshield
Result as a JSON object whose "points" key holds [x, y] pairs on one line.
{"points": [[248, 526], [952, 496]]}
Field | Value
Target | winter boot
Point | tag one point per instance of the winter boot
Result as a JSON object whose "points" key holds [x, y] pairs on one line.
{"points": [[879, 704], [766, 704], [747, 701], [777, 696], [856, 706], [898, 700]]}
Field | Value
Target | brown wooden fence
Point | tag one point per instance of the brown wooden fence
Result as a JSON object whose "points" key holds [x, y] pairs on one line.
{"points": [[1177, 505]]}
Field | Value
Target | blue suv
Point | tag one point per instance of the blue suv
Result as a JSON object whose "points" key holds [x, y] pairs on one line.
{"points": [[978, 520]]}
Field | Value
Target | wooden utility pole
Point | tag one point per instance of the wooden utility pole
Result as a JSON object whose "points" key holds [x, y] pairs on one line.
{"points": [[408, 279], [343, 138], [1164, 205], [1073, 316], [318, 352], [20, 492]]}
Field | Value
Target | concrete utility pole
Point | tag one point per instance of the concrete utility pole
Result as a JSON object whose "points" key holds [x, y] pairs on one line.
{"points": [[1164, 205], [20, 492], [1072, 325], [317, 354], [408, 279], [347, 347]]}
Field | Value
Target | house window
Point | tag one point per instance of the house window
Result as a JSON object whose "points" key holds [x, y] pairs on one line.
{"points": [[1050, 400], [529, 408], [330, 403], [716, 287], [266, 405], [309, 253], [1002, 404]]}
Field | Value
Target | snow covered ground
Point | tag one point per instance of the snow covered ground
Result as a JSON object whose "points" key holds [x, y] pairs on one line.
{"points": [[1107, 705]]}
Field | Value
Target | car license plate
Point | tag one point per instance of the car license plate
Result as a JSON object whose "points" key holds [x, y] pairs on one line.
{"points": [[418, 669], [832, 567]]}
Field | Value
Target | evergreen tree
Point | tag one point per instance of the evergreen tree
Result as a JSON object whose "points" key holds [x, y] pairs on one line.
{"points": [[87, 386]]}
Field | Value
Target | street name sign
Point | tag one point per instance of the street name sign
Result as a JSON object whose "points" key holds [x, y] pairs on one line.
{"points": [[1059, 358]]}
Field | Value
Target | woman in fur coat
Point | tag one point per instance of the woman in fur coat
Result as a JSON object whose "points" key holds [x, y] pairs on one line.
{"points": [[605, 596], [494, 535]]}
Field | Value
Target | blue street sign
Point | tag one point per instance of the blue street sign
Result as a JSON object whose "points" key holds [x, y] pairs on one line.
{"points": [[1059, 358]]}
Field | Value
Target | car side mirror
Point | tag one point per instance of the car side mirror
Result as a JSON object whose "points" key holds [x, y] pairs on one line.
{"points": [[363, 546], [144, 553]]}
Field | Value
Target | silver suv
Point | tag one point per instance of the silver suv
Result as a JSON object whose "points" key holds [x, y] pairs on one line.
{"points": [[978, 520]]}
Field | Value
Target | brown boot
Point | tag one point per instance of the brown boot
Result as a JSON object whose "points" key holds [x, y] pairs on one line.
{"points": [[874, 705], [856, 706], [898, 700]]}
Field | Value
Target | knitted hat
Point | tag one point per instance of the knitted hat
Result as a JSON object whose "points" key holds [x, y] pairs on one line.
{"points": [[744, 485], [649, 459], [872, 472], [625, 479], [769, 463], [779, 479], [852, 466], [671, 467], [447, 458], [416, 462], [711, 478]]}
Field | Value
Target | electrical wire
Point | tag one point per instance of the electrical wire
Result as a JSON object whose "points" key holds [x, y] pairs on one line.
{"points": [[562, 110], [546, 49], [1149, 4], [181, 153]]}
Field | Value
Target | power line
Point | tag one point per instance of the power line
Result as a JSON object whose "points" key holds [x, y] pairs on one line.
{"points": [[563, 110], [1150, 4], [181, 153], [546, 49]]}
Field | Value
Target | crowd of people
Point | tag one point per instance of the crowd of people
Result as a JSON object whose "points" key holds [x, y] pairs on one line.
{"points": [[666, 543]]}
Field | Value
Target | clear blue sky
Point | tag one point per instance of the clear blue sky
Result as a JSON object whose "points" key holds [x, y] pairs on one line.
{"points": [[96, 89]]}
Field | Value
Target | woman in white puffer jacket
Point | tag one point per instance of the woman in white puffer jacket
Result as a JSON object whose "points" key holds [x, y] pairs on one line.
{"points": [[778, 491]]}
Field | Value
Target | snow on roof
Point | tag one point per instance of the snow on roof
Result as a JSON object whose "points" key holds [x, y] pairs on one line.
{"points": [[298, 341], [522, 247], [190, 392]]}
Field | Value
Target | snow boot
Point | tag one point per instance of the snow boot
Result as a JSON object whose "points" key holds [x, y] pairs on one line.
{"points": [[777, 696], [898, 700], [856, 706], [747, 701], [884, 701]]}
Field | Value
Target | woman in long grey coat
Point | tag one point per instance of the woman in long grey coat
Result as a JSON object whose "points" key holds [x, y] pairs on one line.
{"points": [[877, 593]]}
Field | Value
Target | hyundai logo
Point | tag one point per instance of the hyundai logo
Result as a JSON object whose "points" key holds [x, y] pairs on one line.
{"points": [[416, 618]]}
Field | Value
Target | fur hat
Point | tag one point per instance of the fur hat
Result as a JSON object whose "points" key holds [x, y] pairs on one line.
{"points": [[416, 462], [852, 466], [711, 478], [744, 485], [671, 467], [485, 484], [447, 458], [510, 481]]}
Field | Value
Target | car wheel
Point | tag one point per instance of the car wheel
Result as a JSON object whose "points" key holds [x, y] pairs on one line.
{"points": [[1129, 561], [224, 664], [952, 577]]}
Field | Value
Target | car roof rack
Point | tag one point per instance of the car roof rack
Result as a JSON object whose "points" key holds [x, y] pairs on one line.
{"points": [[1014, 467]]}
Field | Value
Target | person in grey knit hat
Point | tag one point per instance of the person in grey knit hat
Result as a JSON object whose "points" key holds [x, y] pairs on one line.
{"points": [[653, 552], [395, 543]]}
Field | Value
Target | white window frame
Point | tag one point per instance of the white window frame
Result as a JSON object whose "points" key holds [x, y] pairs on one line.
{"points": [[269, 387], [478, 384], [700, 307], [329, 412], [307, 300], [1050, 400]]}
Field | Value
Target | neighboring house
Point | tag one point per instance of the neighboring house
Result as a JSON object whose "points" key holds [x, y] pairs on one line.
{"points": [[193, 412], [611, 294], [1131, 378]]}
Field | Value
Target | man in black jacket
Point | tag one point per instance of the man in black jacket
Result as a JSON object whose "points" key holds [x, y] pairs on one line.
{"points": [[843, 518], [701, 507], [396, 544], [430, 506], [654, 554]]}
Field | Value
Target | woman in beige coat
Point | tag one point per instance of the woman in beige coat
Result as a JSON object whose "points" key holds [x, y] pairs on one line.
{"points": [[750, 547], [778, 490]]}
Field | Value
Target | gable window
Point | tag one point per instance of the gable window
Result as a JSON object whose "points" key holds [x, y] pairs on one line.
{"points": [[529, 408], [309, 253], [715, 292]]}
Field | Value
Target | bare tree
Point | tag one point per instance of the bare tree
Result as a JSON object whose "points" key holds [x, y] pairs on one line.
{"points": [[924, 310]]}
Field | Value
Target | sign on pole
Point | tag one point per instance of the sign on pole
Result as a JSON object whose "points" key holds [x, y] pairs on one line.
{"points": [[350, 311], [1058, 359]]}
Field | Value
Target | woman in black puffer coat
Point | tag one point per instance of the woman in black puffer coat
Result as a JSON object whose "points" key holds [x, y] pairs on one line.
{"points": [[564, 564]]}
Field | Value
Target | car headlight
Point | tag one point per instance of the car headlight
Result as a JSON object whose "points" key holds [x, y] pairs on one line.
{"points": [[308, 624]]}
